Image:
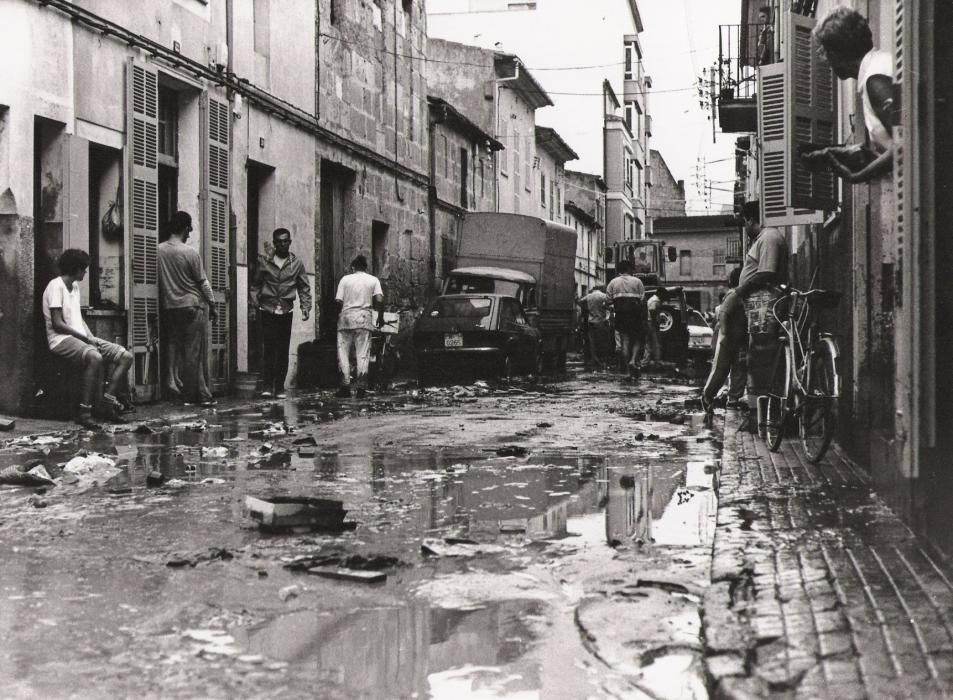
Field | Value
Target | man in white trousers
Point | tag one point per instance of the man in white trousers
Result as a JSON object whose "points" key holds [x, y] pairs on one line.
{"points": [[358, 295]]}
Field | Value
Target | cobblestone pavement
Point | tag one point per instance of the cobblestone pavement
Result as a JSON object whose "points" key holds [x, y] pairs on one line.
{"points": [[818, 589]]}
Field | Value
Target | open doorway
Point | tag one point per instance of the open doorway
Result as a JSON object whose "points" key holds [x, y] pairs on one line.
{"points": [[260, 208], [336, 180]]}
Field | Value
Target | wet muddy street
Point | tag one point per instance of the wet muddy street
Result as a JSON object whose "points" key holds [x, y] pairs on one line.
{"points": [[546, 541]]}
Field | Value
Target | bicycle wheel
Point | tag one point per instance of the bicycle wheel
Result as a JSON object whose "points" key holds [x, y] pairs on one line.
{"points": [[816, 417], [777, 404]]}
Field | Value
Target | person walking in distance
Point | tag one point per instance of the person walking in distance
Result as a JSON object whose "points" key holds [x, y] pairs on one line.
{"points": [[626, 293], [358, 295], [654, 308], [596, 305], [184, 296], [278, 278], [69, 338]]}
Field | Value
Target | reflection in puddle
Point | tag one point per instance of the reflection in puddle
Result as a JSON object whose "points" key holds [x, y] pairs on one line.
{"points": [[406, 649]]}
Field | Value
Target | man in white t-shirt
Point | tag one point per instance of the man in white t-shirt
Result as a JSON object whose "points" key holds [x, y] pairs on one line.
{"points": [[69, 337], [848, 46], [358, 295]]}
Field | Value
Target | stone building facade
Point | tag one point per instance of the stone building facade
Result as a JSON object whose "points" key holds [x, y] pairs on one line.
{"points": [[462, 179], [249, 115], [585, 211], [702, 243], [668, 194]]}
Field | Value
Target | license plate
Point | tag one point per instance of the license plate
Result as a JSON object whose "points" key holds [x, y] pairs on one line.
{"points": [[453, 340]]}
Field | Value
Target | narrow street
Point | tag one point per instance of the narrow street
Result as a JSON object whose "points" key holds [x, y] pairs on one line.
{"points": [[583, 512]]}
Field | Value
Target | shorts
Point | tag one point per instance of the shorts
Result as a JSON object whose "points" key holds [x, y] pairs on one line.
{"points": [[74, 350]]}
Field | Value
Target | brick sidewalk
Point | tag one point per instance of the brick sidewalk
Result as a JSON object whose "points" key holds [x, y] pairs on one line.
{"points": [[818, 589]]}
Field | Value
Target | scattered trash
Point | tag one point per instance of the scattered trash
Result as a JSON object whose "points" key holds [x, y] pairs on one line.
{"points": [[350, 575], [7, 424], [143, 429], [213, 642], [357, 562], [26, 476], [297, 513], [38, 502], [306, 452], [544, 424], [457, 548], [120, 491], [512, 529], [175, 484], [211, 480], [288, 592], [179, 560], [512, 451], [215, 452], [155, 478], [306, 440]]}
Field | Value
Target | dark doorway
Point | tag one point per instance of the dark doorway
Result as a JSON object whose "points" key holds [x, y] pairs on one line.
{"points": [[335, 182], [378, 247], [258, 205]]}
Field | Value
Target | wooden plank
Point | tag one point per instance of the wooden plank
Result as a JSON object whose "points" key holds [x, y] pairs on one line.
{"points": [[352, 575]]}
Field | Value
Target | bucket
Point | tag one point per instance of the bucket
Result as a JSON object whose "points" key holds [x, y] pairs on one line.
{"points": [[245, 385]]}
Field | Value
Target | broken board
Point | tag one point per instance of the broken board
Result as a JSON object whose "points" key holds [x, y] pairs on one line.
{"points": [[349, 574]]}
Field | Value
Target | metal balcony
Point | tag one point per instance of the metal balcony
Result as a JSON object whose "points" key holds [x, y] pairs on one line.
{"points": [[741, 49]]}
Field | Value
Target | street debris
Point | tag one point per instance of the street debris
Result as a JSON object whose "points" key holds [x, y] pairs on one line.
{"points": [[7, 423], [349, 575], [26, 476], [86, 470], [357, 562], [212, 642], [456, 547], [289, 592], [297, 514], [155, 478], [191, 559], [214, 452], [512, 451]]}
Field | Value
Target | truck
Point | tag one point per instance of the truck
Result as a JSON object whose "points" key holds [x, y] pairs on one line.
{"points": [[648, 257], [527, 258]]}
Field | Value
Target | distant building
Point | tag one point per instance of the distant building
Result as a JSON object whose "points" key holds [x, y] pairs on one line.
{"points": [[499, 94], [585, 212], [462, 177], [668, 194], [552, 155], [704, 245]]}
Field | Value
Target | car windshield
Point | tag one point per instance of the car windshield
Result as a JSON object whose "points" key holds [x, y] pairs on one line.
{"points": [[696, 319], [473, 284], [470, 310]]}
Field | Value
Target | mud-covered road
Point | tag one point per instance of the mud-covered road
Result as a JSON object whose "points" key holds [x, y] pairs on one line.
{"points": [[581, 553]]}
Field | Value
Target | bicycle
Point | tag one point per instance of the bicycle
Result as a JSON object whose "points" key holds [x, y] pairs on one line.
{"points": [[805, 381]]}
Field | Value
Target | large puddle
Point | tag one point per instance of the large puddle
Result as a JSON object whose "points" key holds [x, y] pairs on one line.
{"points": [[483, 614]]}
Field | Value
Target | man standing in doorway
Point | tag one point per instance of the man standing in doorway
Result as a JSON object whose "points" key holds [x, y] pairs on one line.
{"points": [[626, 293], [277, 279], [359, 293], [184, 294]]}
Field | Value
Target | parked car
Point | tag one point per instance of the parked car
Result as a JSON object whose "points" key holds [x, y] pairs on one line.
{"points": [[487, 333], [699, 331]]}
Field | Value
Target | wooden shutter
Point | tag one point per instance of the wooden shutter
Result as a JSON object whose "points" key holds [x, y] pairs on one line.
{"points": [[812, 114], [774, 153], [142, 225], [796, 105], [215, 243]]}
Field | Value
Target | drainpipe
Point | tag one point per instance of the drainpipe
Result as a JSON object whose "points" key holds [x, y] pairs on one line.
{"points": [[496, 127], [433, 121]]}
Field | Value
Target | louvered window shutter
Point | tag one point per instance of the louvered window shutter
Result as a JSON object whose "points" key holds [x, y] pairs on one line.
{"points": [[142, 225], [215, 174], [796, 105], [774, 153], [812, 114]]}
